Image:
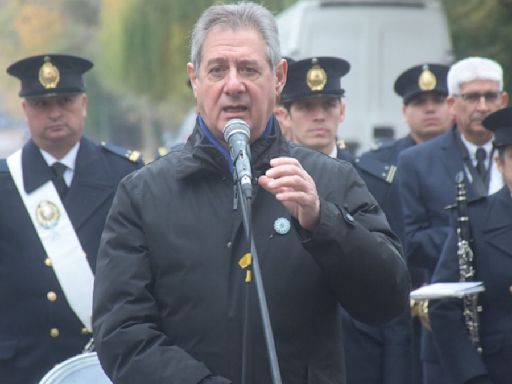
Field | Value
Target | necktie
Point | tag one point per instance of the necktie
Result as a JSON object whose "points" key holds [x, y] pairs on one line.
{"points": [[480, 161], [58, 170]]}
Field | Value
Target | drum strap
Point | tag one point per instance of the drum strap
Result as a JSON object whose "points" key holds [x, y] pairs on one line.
{"points": [[59, 240]]}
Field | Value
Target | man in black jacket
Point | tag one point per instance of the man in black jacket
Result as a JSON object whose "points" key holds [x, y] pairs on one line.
{"points": [[169, 303]]}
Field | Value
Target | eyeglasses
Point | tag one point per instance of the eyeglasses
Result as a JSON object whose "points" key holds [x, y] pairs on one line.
{"points": [[475, 97]]}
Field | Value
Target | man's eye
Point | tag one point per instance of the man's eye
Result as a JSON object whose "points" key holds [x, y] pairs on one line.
{"points": [[217, 72], [65, 100], [38, 104], [249, 72], [301, 106], [331, 104]]}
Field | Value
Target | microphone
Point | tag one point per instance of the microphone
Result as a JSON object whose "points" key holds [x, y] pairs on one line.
{"points": [[237, 134]]}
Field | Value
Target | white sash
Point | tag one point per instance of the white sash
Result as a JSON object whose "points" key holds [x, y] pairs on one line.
{"points": [[59, 240]]}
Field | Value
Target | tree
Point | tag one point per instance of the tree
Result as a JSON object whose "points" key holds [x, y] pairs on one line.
{"points": [[482, 28]]}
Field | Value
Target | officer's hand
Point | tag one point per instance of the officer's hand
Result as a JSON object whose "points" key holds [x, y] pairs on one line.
{"points": [[295, 188], [214, 380]]}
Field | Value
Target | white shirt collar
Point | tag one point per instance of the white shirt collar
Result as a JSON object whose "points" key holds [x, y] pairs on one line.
{"points": [[334, 152], [496, 180], [473, 147], [68, 160]]}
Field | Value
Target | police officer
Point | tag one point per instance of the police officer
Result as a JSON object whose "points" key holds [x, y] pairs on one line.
{"points": [[423, 90], [312, 96], [490, 221], [55, 193]]}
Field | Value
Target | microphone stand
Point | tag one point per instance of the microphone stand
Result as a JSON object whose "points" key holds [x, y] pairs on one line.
{"points": [[245, 203]]}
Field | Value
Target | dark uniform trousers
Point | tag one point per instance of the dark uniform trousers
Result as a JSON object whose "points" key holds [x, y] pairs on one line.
{"points": [[380, 355]]}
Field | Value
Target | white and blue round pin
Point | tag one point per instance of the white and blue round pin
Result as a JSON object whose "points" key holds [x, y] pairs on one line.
{"points": [[282, 225]]}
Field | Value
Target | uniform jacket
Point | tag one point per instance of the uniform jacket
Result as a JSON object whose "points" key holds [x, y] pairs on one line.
{"points": [[426, 174], [27, 350], [381, 178], [380, 355], [168, 300], [491, 226]]}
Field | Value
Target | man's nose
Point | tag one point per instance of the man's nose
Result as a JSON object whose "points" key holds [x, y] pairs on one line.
{"points": [[430, 105], [482, 104], [234, 82], [54, 110], [319, 112]]}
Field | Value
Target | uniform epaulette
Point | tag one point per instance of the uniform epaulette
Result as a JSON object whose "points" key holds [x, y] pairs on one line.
{"points": [[382, 146], [377, 168], [3, 166], [133, 156], [341, 144]]}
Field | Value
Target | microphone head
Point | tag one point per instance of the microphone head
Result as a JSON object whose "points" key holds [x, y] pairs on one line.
{"points": [[236, 126]]}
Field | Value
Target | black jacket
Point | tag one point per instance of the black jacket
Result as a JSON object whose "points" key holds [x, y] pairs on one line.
{"points": [[168, 300]]}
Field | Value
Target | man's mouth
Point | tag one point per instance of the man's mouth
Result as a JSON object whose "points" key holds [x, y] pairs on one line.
{"points": [[235, 109]]}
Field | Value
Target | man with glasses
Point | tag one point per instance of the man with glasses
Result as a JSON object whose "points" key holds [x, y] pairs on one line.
{"points": [[484, 359], [426, 173]]}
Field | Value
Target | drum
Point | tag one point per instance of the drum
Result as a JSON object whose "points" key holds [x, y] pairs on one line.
{"points": [[81, 369]]}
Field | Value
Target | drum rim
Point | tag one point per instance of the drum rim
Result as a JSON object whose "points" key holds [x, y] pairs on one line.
{"points": [[82, 360]]}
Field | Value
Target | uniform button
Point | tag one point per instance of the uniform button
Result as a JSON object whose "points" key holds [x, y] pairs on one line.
{"points": [[48, 262], [229, 244], [85, 331], [54, 332], [510, 289], [51, 296]]}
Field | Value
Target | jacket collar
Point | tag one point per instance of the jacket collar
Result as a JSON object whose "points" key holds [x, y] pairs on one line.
{"points": [[92, 183], [499, 214], [35, 169], [201, 155]]}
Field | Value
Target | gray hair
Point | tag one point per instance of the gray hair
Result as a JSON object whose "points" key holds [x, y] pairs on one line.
{"points": [[471, 69], [236, 16]]}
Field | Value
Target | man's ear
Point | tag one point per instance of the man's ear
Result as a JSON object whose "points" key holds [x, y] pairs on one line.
{"points": [[450, 100], [84, 105], [342, 112], [504, 99], [192, 77], [281, 71]]}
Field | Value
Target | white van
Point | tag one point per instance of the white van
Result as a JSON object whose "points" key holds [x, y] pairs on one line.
{"points": [[380, 39]]}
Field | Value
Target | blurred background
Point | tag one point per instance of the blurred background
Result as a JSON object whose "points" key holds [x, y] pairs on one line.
{"points": [[138, 94]]}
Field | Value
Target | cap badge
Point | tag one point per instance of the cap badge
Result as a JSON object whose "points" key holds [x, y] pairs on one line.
{"points": [[316, 78], [282, 225], [427, 80], [47, 214], [49, 75]]}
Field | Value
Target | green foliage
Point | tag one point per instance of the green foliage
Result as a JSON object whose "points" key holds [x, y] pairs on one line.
{"points": [[148, 46], [482, 28], [141, 47]]}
